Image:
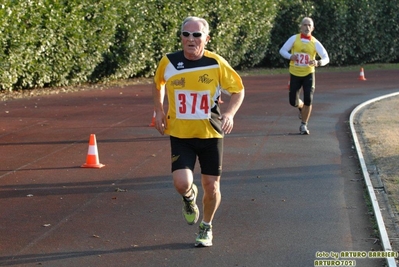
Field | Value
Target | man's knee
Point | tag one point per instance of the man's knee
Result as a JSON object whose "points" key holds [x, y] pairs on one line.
{"points": [[211, 183], [182, 180], [307, 102], [297, 102], [293, 103]]}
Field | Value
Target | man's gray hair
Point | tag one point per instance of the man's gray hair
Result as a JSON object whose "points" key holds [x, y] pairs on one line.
{"points": [[205, 24], [307, 18]]}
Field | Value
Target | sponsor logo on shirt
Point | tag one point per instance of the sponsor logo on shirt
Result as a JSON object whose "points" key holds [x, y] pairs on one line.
{"points": [[178, 83], [204, 79]]}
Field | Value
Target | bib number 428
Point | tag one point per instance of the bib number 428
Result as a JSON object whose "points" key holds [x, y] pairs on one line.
{"points": [[192, 105]]}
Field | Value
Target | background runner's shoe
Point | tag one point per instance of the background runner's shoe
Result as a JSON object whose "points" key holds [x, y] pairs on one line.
{"points": [[190, 209], [303, 129], [204, 238]]}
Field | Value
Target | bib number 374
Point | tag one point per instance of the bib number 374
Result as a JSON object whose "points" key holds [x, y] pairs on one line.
{"points": [[192, 105]]}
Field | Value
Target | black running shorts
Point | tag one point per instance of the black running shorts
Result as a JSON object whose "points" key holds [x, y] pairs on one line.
{"points": [[209, 152], [307, 83]]}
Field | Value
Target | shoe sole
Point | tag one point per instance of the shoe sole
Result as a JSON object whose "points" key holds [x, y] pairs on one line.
{"points": [[202, 244]]}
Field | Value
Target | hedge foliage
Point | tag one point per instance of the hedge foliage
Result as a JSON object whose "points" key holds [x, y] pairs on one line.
{"points": [[51, 43], [66, 42]]}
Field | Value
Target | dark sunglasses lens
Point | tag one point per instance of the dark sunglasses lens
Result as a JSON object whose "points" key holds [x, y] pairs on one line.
{"points": [[195, 34]]}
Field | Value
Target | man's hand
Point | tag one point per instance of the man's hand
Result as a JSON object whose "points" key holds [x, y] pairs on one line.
{"points": [[160, 123], [227, 123], [314, 63]]}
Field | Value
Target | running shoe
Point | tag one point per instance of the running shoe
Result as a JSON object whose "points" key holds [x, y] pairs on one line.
{"points": [[204, 238], [190, 209], [303, 129]]}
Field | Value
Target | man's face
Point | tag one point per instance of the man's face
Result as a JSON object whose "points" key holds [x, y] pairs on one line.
{"points": [[307, 27], [193, 40]]}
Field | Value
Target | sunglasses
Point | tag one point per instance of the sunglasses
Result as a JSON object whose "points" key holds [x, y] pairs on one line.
{"points": [[195, 34]]}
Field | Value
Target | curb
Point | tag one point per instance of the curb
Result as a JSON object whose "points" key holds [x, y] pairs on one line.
{"points": [[376, 208]]}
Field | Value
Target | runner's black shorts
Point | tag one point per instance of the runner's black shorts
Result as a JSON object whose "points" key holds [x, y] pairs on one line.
{"points": [[184, 152], [307, 83]]}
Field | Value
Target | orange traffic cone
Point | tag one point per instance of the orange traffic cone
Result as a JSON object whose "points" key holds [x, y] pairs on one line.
{"points": [[361, 76], [152, 124], [92, 155]]}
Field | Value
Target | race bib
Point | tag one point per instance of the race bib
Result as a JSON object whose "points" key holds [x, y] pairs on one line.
{"points": [[192, 105], [302, 59]]}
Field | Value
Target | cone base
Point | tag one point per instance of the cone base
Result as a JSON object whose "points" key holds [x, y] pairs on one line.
{"points": [[362, 79], [97, 166]]}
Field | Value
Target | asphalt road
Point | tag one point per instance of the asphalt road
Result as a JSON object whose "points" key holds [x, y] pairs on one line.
{"points": [[285, 197]]}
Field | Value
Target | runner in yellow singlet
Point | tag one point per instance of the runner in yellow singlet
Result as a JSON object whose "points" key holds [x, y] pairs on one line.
{"points": [[193, 80], [301, 50]]}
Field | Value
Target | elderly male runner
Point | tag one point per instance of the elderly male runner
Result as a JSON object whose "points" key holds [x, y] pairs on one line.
{"points": [[301, 50], [193, 80]]}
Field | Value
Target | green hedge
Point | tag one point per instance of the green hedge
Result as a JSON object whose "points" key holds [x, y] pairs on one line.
{"points": [[239, 32], [51, 43], [57, 43]]}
